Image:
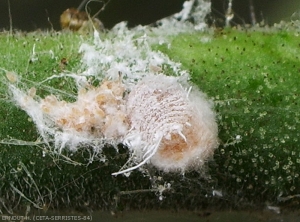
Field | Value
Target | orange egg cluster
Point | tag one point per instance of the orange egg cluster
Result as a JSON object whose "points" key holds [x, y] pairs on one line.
{"points": [[98, 111]]}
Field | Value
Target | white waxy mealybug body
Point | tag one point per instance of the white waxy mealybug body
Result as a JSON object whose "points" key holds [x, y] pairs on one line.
{"points": [[169, 127]]}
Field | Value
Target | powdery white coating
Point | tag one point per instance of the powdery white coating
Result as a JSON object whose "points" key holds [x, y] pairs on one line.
{"points": [[127, 52], [203, 7], [184, 14], [179, 22], [171, 128]]}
